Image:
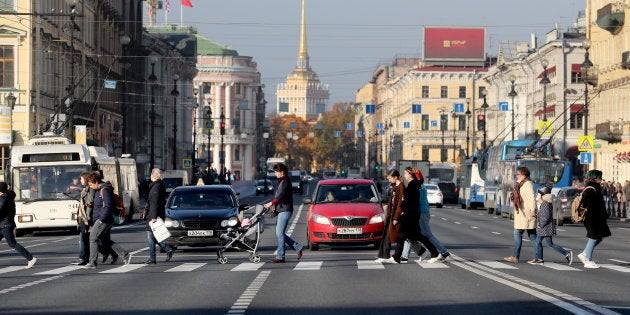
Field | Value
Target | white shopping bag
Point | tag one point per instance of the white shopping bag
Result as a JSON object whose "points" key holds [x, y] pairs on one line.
{"points": [[159, 230]]}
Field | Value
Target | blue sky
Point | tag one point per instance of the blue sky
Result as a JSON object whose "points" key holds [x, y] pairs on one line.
{"points": [[348, 39]]}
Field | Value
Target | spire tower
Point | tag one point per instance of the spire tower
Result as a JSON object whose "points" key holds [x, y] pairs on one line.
{"points": [[302, 62]]}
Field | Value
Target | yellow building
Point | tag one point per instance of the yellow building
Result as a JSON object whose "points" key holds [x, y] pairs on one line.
{"points": [[302, 94], [608, 115]]}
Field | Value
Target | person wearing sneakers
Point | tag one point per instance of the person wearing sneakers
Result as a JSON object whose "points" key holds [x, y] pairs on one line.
{"points": [[546, 227], [524, 202], [596, 217], [7, 223], [103, 220], [156, 202], [283, 203]]}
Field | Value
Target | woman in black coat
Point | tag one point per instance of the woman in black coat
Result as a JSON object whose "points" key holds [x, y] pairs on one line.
{"points": [[156, 203], [596, 217]]}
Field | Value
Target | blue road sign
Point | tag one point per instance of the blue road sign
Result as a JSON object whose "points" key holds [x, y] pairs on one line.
{"points": [[586, 158], [503, 106]]}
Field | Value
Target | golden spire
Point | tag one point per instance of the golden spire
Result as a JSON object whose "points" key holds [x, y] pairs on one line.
{"points": [[302, 62]]}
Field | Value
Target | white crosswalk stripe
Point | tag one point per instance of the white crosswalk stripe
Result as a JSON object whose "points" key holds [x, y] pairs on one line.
{"points": [[248, 266], [615, 267], [369, 264], [186, 267], [59, 271], [557, 266], [495, 264], [309, 265], [11, 269], [426, 265], [124, 268]]}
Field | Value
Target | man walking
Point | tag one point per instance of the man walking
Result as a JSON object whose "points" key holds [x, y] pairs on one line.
{"points": [[7, 223]]}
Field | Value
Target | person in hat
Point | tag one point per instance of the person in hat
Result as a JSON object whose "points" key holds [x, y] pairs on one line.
{"points": [[546, 227], [596, 217]]}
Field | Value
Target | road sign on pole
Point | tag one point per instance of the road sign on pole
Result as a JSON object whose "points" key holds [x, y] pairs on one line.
{"points": [[586, 158]]}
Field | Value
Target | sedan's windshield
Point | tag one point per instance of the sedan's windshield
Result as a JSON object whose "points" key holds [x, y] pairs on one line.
{"points": [[346, 193], [201, 200]]}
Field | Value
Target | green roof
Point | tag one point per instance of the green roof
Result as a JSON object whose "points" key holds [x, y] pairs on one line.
{"points": [[208, 47]]}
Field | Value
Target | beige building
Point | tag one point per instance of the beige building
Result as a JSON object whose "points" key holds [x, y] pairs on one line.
{"points": [[302, 94], [609, 117]]}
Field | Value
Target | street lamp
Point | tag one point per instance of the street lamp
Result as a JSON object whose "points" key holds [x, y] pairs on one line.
{"points": [[69, 102], [209, 136], [584, 68], [10, 100], [175, 94], [377, 166], [544, 81], [512, 94], [152, 80], [468, 114], [484, 106], [266, 137], [454, 116], [194, 144], [222, 152], [443, 127]]}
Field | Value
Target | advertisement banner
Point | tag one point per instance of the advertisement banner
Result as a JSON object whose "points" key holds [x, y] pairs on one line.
{"points": [[455, 43]]}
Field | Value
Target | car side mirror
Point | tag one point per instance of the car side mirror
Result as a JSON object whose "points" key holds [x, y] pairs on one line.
{"points": [[307, 200]]}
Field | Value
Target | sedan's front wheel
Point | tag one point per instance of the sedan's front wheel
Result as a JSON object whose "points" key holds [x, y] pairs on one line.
{"points": [[313, 246]]}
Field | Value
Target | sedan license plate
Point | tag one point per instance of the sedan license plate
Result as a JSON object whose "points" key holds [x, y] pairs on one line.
{"points": [[200, 233], [349, 230]]}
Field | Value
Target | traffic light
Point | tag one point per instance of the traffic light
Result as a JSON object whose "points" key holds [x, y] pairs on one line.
{"points": [[481, 122], [222, 126], [377, 167]]}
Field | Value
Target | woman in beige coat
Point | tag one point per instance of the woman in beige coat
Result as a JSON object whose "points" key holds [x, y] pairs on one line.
{"points": [[524, 201]]}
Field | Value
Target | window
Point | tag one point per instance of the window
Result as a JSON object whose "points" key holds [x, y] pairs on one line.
{"points": [[575, 121], [480, 91], [462, 92], [425, 153], [443, 91], [238, 89], [237, 154], [462, 123], [576, 77], [6, 65], [283, 107], [425, 122], [207, 88], [6, 5], [425, 91], [443, 122]]}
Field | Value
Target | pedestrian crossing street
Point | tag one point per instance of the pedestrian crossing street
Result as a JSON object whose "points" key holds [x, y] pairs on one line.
{"points": [[300, 266]]}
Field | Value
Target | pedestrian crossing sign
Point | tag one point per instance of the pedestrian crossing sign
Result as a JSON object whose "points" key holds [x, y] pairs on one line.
{"points": [[585, 143], [545, 128], [187, 163]]}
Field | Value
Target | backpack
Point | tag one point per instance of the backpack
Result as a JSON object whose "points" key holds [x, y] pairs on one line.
{"points": [[118, 210], [577, 210]]}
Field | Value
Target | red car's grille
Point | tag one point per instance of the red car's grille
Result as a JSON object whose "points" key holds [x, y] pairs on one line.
{"points": [[335, 236], [349, 221]]}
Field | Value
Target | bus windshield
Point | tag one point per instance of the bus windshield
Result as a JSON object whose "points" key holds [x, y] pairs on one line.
{"points": [[543, 171], [47, 182]]}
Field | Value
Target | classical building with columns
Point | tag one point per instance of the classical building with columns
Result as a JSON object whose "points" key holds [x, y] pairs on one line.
{"points": [[229, 91], [302, 94]]}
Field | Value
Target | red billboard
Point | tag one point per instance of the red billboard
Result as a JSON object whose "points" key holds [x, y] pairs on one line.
{"points": [[454, 43]]}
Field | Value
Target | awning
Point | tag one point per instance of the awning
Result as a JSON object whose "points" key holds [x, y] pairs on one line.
{"points": [[549, 70], [623, 157], [577, 108], [576, 67], [550, 109]]}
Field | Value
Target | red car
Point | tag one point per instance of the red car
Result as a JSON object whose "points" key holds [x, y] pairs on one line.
{"points": [[344, 212]]}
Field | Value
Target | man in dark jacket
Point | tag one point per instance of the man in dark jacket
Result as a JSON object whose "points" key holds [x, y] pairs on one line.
{"points": [[7, 223], [155, 203], [102, 221]]}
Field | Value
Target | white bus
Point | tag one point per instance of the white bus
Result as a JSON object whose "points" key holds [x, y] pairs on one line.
{"points": [[271, 162], [41, 176]]}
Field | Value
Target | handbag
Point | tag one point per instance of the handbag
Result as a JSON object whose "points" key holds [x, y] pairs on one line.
{"points": [[144, 213], [160, 232]]}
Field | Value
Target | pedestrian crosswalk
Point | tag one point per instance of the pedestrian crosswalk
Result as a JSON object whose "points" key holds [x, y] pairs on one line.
{"points": [[299, 266]]}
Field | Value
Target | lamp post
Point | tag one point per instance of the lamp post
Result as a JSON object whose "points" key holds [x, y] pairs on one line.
{"points": [[454, 116], [485, 106], [152, 79], [266, 137], [175, 94], [209, 155], [70, 99], [468, 114], [443, 127], [10, 99], [222, 152], [376, 164], [512, 94], [544, 81], [584, 68], [194, 144]]}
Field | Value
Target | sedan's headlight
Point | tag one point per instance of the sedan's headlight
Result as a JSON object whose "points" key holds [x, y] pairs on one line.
{"points": [[379, 218], [233, 221], [171, 223], [25, 218], [320, 219]]}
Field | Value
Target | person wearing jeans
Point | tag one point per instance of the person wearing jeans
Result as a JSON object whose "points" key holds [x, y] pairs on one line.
{"points": [[595, 219], [156, 202], [546, 228], [7, 223], [524, 213], [283, 206]]}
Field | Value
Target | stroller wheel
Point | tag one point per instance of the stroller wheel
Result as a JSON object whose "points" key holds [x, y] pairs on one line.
{"points": [[254, 258], [222, 260]]}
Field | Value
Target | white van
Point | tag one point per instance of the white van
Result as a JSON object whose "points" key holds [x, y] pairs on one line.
{"points": [[174, 178]]}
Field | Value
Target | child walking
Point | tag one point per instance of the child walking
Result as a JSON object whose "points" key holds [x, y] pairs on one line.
{"points": [[546, 228]]}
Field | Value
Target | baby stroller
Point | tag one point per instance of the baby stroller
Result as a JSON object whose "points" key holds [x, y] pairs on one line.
{"points": [[245, 237]]}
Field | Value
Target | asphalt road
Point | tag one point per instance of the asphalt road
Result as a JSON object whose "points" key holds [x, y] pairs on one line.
{"points": [[474, 280]]}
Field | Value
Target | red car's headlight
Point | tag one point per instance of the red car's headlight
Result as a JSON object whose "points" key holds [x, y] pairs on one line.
{"points": [[320, 219], [379, 218]]}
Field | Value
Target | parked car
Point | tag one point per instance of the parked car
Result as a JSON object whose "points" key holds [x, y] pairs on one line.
{"points": [[264, 186], [434, 194], [195, 215], [296, 182], [344, 212], [449, 190], [562, 203]]}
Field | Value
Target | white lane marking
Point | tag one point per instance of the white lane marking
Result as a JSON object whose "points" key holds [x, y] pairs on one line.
{"points": [[309, 265], [426, 265], [247, 266], [59, 271], [135, 252], [295, 220], [11, 269], [620, 261], [242, 303], [186, 267], [26, 285], [557, 266], [615, 267], [445, 219], [474, 227], [124, 268], [496, 264], [623, 228], [497, 233], [369, 264]]}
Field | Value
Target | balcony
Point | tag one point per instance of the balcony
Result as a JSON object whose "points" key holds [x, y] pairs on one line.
{"points": [[610, 18]]}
